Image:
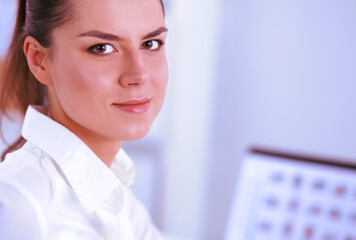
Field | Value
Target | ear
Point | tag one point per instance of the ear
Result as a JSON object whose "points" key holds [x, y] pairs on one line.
{"points": [[37, 60]]}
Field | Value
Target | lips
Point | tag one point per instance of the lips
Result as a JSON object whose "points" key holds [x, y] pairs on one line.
{"points": [[134, 106]]}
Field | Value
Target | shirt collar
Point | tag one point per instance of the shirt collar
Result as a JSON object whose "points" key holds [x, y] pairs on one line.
{"points": [[98, 188]]}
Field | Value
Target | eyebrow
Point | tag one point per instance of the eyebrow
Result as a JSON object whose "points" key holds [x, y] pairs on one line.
{"points": [[156, 33], [112, 37]]}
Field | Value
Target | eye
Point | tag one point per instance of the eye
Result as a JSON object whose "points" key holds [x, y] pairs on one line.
{"points": [[152, 44], [102, 49]]}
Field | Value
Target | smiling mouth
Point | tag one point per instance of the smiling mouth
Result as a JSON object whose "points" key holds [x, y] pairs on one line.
{"points": [[134, 106]]}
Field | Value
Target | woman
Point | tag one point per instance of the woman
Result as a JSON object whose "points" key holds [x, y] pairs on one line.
{"points": [[91, 75]]}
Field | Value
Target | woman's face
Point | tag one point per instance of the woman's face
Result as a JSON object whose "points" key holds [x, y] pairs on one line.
{"points": [[108, 69]]}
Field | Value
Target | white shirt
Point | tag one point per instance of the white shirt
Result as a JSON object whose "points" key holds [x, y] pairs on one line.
{"points": [[56, 188]]}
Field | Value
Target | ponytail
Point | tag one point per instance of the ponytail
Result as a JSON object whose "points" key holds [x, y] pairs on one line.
{"points": [[16, 91], [18, 87]]}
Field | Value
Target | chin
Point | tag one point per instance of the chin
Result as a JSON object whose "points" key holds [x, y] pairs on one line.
{"points": [[135, 134]]}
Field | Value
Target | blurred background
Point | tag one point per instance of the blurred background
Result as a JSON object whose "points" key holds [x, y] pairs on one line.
{"points": [[278, 74]]}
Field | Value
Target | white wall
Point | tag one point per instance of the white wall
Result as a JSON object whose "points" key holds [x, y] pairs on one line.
{"points": [[7, 21], [286, 80], [192, 39]]}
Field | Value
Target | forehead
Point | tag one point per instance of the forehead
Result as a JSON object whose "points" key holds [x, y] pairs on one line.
{"points": [[117, 16]]}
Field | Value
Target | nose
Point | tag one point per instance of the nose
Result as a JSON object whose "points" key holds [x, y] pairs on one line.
{"points": [[135, 73]]}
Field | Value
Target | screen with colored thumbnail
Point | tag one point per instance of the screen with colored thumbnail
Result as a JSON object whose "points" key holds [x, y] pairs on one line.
{"points": [[281, 196]]}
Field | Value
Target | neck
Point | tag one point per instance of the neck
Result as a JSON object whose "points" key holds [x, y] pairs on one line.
{"points": [[104, 148]]}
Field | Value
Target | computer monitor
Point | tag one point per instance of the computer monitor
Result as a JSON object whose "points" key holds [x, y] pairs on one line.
{"points": [[282, 196]]}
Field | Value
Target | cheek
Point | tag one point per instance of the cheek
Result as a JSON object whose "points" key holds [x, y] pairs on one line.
{"points": [[78, 81], [159, 75], [162, 83]]}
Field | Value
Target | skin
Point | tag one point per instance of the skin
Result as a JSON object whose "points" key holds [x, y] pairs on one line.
{"points": [[87, 81]]}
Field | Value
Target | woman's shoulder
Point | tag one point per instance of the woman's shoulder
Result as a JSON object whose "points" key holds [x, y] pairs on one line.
{"points": [[20, 209], [20, 205], [28, 167], [23, 189], [21, 160]]}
